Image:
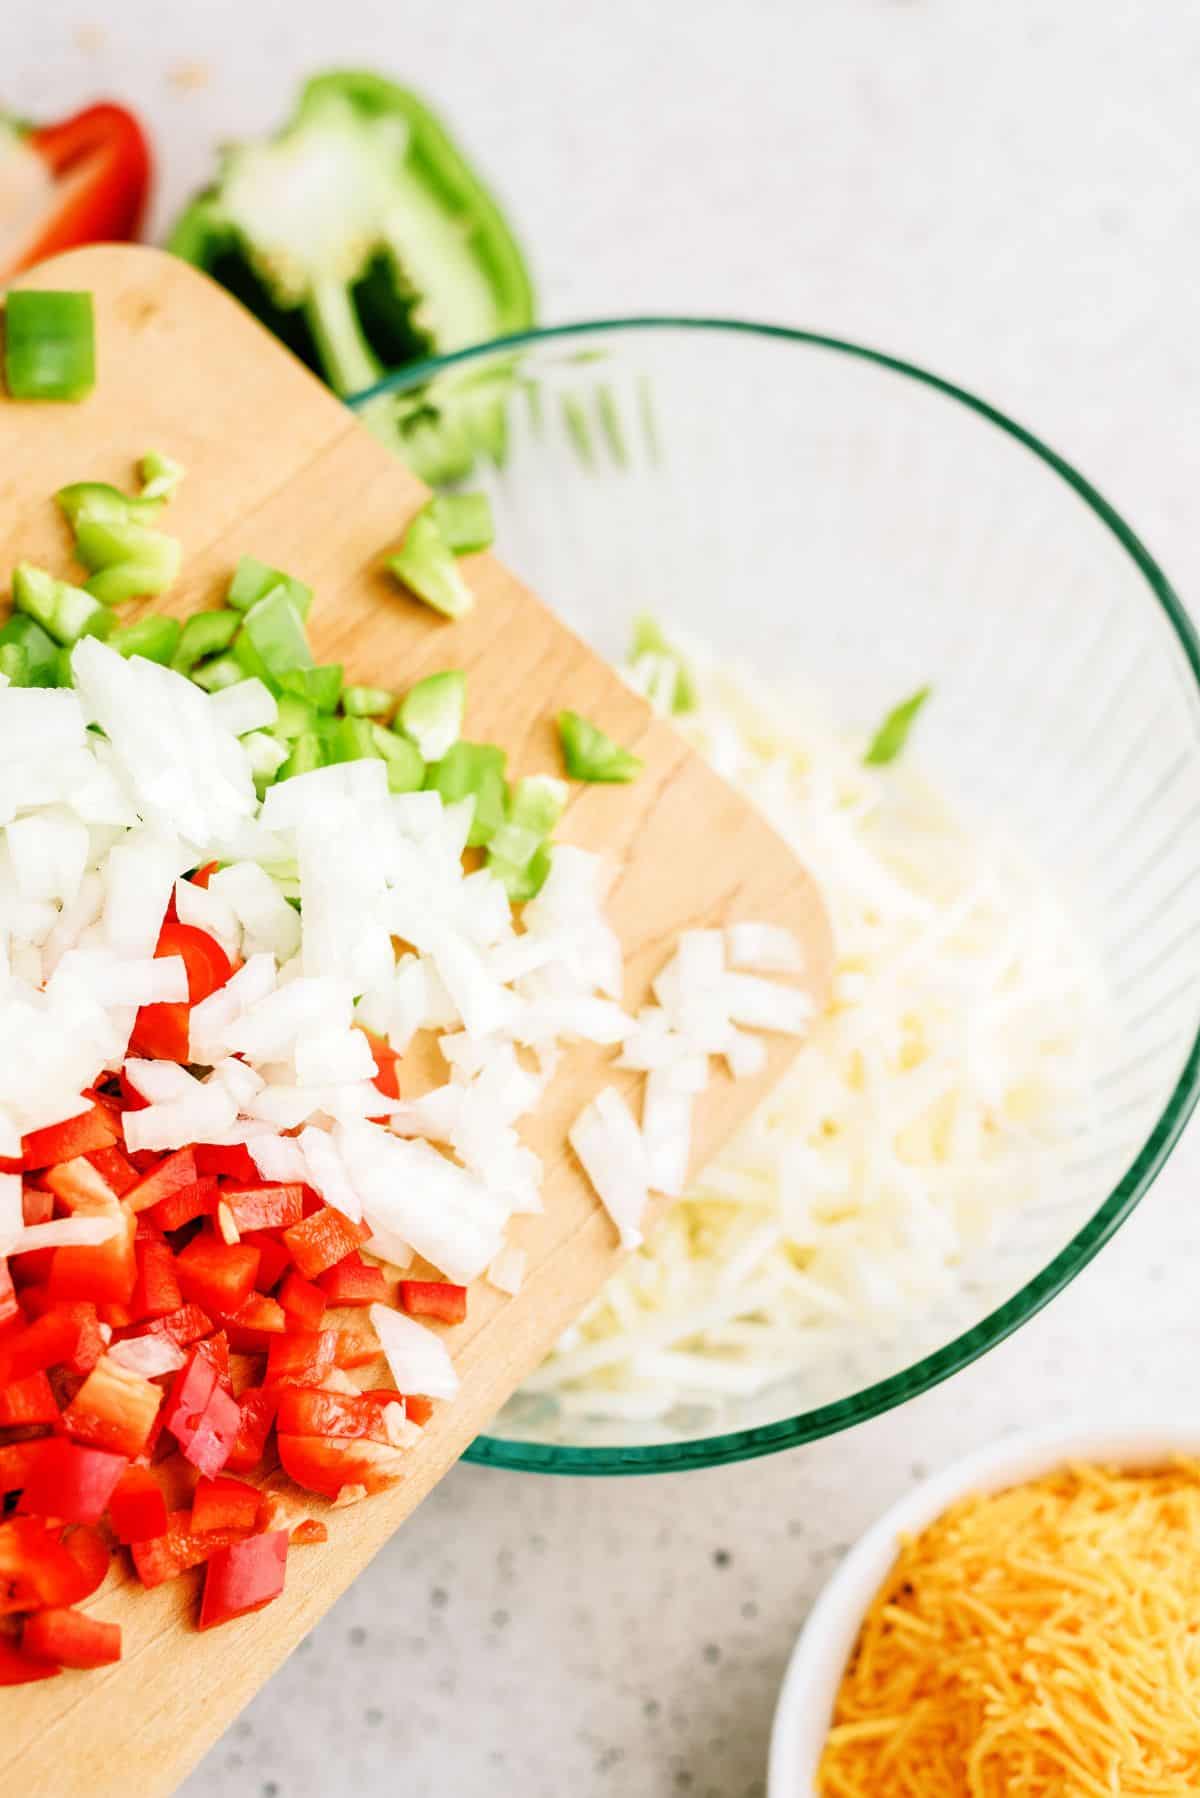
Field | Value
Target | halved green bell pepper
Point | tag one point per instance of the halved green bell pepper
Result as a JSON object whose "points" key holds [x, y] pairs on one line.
{"points": [[362, 236]]}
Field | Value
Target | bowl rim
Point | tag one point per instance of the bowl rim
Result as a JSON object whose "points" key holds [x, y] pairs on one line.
{"points": [[804, 1707], [882, 1395]]}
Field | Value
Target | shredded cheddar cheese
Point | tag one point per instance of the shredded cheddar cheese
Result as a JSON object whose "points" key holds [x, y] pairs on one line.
{"points": [[1042, 1642]]}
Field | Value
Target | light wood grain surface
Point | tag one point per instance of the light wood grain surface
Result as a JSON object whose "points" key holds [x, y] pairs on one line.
{"points": [[278, 468]]}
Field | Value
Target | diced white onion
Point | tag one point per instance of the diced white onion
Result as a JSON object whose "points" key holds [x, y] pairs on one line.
{"points": [[419, 1360]]}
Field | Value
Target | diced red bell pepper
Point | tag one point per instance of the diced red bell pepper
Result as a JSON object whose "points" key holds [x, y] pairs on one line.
{"points": [[113, 1409], [172, 1175], [326, 1465], [308, 1532], [322, 1240], [224, 1504], [37, 1568], [106, 1272], [301, 1358], [183, 1207], [187, 1325], [303, 1301], [257, 1415], [92, 1555], [243, 1578], [201, 876], [89, 1344], [33, 1268], [177, 1549], [156, 1293], [217, 1275], [28, 1401], [20, 1669], [264, 1207], [386, 1078], [116, 1168], [252, 1328], [78, 1186], [201, 1415], [434, 1298], [9, 1304], [417, 1408], [37, 1204], [94, 1129], [72, 1638], [161, 1032], [232, 1161], [274, 1260], [70, 1482], [354, 1281], [16, 1461], [356, 1348], [309, 1411], [55, 1339], [215, 1350], [137, 1509]]}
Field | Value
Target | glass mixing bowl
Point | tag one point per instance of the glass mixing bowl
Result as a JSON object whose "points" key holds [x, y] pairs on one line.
{"points": [[822, 510]]}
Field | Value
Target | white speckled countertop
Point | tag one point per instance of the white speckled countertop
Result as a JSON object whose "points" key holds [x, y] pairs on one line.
{"points": [[1006, 193]]}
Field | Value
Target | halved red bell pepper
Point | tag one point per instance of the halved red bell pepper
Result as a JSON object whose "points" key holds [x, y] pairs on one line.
{"points": [[71, 1638], [224, 1504], [257, 1416], [177, 1549], [71, 1482], [265, 1207], [113, 1409], [243, 1578], [353, 1281], [84, 180], [322, 1240], [219, 1276], [94, 1129], [434, 1298], [137, 1509]]}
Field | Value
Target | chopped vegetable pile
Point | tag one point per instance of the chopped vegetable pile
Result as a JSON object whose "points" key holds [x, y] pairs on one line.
{"points": [[236, 1222]]}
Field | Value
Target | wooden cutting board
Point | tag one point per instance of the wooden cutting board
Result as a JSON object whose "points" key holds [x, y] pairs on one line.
{"points": [[277, 467]]}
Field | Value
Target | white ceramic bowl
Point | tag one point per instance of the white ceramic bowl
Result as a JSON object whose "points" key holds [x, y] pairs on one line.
{"points": [[805, 1709]]}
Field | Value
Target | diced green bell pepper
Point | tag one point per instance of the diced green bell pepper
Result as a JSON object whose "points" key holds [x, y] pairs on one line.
{"points": [[66, 613], [221, 672], [892, 735], [590, 754], [320, 687], [307, 755], [98, 502], [272, 640], [464, 521], [205, 634], [127, 561], [159, 475], [295, 717], [405, 767], [522, 883], [49, 345], [535, 808], [347, 739], [253, 580], [41, 652], [14, 665], [672, 685], [367, 702], [156, 639], [476, 771], [425, 564], [432, 712]]}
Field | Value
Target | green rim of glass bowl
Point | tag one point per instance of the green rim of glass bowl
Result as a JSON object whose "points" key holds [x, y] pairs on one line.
{"points": [[826, 1420]]}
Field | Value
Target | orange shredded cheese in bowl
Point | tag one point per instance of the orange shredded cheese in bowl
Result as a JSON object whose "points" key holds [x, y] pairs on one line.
{"points": [[1041, 1642]]}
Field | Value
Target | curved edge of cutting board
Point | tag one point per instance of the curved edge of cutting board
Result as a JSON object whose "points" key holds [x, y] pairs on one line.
{"points": [[278, 467]]}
